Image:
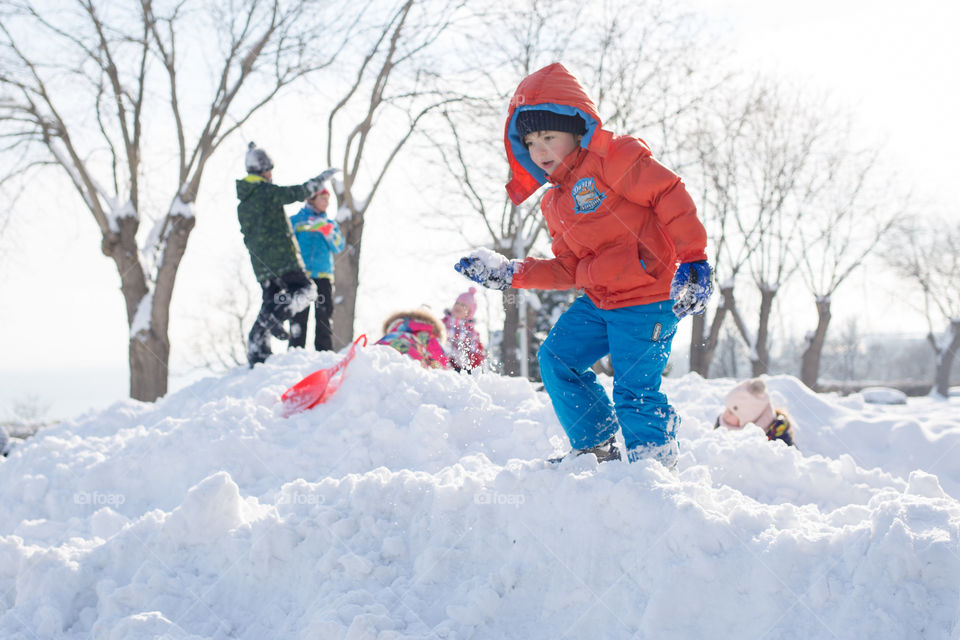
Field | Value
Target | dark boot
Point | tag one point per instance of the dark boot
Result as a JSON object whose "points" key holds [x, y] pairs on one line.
{"points": [[605, 452], [258, 345], [298, 329], [275, 327]]}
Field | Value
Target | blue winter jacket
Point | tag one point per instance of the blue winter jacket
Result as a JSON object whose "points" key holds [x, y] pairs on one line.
{"points": [[317, 248]]}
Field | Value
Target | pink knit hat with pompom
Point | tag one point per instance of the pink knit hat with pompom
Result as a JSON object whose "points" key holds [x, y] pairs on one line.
{"points": [[467, 299], [750, 402]]}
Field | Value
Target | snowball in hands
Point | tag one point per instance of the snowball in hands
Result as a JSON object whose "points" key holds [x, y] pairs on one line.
{"points": [[691, 288], [488, 268]]}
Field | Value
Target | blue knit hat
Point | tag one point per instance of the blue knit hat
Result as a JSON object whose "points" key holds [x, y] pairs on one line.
{"points": [[532, 120]]}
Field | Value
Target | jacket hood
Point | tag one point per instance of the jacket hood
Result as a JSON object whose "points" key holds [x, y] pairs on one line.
{"points": [[552, 88], [416, 315]]}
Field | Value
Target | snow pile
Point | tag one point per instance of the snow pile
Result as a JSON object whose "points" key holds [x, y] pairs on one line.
{"points": [[416, 504], [883, 395]]}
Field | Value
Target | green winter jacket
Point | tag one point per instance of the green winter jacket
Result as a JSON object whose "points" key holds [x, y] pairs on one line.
{"points": [[266, 229]]}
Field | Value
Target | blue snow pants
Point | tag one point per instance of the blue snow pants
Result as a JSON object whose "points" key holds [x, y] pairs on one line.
{"points": [[638, 340]]}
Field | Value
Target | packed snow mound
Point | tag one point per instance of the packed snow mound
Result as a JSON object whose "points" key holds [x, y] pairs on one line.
{"points": [[883, 395], [417, 504]]}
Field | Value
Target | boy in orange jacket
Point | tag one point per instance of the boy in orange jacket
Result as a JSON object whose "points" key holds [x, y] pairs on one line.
{"points": [[620, 223]]}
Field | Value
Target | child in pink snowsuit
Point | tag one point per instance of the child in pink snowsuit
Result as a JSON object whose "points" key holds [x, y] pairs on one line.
{"points": [[417, 334], [463, 342]]}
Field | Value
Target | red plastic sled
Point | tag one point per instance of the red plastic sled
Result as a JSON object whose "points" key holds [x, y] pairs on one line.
{"points": [[317, 387]]}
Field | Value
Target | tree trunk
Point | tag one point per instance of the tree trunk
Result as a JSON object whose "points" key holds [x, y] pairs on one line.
{"points": [[149, 347], [534, 364], [702, 349], [698, 346], [810, 362], [346, 282], [510, 344], [149, 358], [760, 355], [945, 359], [730, 305], [732, 368], [727, 303]]}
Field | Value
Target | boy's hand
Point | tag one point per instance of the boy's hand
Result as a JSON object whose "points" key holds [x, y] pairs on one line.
{"points": [[487, 268], [691, 288], [314, 184], [327, 174]]}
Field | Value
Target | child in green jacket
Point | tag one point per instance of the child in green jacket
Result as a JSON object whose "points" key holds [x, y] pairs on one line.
{"points": [[276, 261]]}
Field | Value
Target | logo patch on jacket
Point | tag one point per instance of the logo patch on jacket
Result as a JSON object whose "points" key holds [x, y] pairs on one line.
{"points": [[586, 197]]}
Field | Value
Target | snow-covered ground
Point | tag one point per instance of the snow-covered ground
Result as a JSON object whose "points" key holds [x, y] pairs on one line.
{"points": [[416, 504]]}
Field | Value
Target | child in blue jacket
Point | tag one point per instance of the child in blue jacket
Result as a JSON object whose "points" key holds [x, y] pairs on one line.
{"points": [[320, 239]]}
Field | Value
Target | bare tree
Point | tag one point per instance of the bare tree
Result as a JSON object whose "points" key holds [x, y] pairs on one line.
{"points": [[31, 408], [783, 183], [717, 138], [856, 210], [388, 89], [84, 83], [730, 354], [848, 348], [927, 253], [512, 230], [761, 178]]}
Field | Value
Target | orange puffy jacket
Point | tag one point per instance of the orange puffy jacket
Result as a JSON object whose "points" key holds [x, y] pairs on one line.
{"points": [[620, 221]]}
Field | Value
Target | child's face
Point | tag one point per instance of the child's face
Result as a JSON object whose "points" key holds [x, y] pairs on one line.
{"points": [[460, 310], [320, 201], [549, 148], [731, 418]]}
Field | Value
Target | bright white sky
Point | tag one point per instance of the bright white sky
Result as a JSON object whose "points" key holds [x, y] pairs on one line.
{"points": [[895, 64]]}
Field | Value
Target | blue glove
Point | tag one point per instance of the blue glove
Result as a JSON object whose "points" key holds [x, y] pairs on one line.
{"points": [[499, 276], [691, 288]]}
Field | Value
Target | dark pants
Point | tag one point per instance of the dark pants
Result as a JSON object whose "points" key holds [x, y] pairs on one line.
{"points": [[278, 294], [322, 309]]}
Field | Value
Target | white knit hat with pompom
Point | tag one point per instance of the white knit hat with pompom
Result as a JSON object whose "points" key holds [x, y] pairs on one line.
{"points": [[257, 161]]}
